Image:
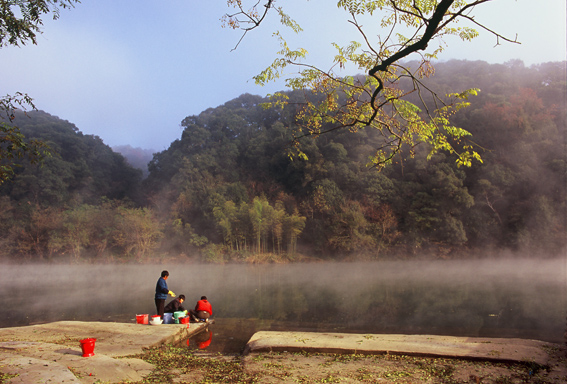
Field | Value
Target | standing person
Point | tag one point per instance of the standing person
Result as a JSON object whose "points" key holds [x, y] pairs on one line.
{"points": [[203, 310], [161, 293]]}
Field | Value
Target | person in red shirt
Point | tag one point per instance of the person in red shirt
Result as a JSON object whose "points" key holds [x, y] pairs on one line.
{"points": [[203, 310]]}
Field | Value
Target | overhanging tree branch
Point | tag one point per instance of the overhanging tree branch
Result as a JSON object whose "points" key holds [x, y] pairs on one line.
{"points": [[432, 27], [379, 102]]}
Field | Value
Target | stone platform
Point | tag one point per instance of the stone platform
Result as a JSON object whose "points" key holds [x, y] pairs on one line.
{"points": [[470, 348], [51, 353]]}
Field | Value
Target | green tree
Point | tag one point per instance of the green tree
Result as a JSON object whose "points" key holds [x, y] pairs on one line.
{"points": [[21, 20], [102, 224], [349, 229], [260, 213], [243, 227], [225, 217], [77, 230], [14, 147], [293, 227], [434, 203], [43, 186], [277, 226]]}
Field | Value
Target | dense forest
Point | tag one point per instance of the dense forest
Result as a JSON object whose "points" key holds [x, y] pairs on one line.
{"points": [[227, 190]]}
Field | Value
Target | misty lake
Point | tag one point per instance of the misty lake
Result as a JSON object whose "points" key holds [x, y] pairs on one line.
{"points": [[502, 298]]}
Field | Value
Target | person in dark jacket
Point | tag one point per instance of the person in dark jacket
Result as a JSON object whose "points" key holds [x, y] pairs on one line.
{"points": [[161, 293], [175, 305]]}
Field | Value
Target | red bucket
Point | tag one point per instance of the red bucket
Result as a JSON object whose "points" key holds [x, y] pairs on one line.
{"points": [[142, 319], [184, 320], [87, 346]]}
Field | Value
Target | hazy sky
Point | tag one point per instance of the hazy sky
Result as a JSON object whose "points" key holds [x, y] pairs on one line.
{"points": [[130, 74]]}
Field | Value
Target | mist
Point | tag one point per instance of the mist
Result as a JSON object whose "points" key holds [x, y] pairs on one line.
{"points": [[493, 298]]}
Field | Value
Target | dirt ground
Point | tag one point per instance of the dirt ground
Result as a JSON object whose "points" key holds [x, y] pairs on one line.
{"points": [[272, 368], [320, 368]]}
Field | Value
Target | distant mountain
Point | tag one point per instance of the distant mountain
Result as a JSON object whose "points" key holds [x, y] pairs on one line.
{"points": [[136, 157]]}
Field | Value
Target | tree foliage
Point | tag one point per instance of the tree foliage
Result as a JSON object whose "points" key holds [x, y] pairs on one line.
{"points": [[21, 20], [14, 147]]}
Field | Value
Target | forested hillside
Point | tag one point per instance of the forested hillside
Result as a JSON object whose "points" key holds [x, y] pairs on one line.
{"points": [[81, 168], [228, 191], [59, 207]]}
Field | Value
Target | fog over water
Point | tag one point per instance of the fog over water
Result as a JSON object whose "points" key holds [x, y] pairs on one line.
{"points": [[503, 298]]}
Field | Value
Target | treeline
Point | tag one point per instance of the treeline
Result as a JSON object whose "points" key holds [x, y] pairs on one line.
{"points": [[227, 190]]}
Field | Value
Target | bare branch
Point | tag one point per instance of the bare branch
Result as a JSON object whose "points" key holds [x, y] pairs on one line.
{"points": [[498, 36], [255, 21]]}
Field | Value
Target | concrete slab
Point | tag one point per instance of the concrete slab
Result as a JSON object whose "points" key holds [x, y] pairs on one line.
{"points": [[488, 349], [112, 339], [30, 370], [52, 352]]}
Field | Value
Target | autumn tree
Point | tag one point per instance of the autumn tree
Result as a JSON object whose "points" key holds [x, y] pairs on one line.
{"points": [[37, 237], [137, 232], [338, 101]]}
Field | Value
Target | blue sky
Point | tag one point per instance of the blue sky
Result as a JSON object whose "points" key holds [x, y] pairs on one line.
{"points": [[131, 74]]}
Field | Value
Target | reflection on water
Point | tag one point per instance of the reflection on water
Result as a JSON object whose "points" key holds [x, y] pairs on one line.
{"points": [[201, 340], [507, 298]]}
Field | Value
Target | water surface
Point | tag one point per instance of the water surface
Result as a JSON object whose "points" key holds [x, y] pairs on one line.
{"points": [[505, 298]]}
